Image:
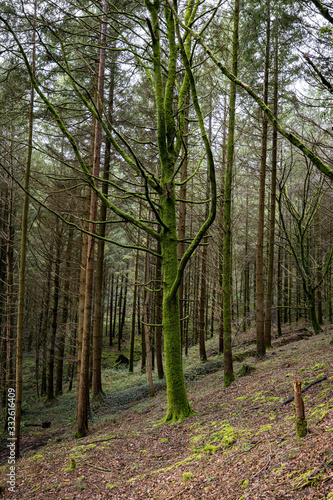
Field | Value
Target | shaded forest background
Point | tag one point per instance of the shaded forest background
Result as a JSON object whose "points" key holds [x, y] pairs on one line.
{"points": [[87, 174]]}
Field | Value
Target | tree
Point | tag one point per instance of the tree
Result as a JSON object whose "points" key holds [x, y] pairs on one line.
{"points": [[169, 142], [303, 213], [227, 250]]}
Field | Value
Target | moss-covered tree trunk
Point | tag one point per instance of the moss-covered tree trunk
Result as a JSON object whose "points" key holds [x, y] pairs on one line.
{"points": [[178, 405]]}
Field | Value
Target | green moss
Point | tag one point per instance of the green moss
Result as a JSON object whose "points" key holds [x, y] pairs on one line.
{"points": [[35, 457], [110, 486], [301, 427], [229, 377], [187, 476], [244, 483], [264, 428], [72, 465], [163, 440], [309, 478], [210, 449], [245, 370], [318, 366]]}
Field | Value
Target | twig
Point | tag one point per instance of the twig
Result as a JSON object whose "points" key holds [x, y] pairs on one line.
{"points": [[289, 400], [99, 468], [100, 441], [269, 459]]}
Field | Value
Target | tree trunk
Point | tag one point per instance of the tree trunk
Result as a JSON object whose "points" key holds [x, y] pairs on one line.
{"points": [[145, 321], [227, 223], [54, 322], [301, 424], [182, 215], [260, 316], [65, 310], [159, 319], [99, 276], [83, 403], [271, 243], [21, 289]]}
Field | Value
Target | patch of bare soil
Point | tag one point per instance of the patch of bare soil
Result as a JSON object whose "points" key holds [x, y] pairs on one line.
{"points": [[237, 446]]}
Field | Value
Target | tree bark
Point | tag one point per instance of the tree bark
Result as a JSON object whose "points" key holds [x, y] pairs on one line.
{"points": [[83, 403], [21, 290], [260, 316], [271, 238], [227, 223], [54, 322]]}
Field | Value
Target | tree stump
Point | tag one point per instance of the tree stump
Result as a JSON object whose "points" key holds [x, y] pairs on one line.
{"points": [[301, 424]]}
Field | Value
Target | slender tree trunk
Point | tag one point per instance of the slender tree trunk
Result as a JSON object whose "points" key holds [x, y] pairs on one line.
{"points": [[54, 322], [10, 273], [45, 327], [159, 319], [134, 304], [227, 242], [21, 290], [246, 298], [145, 321], [182, 215], [84, 374], [99, 277], [260, 316], [64, 319], [111, 312], [119, 311], [270, 277], [279, 290]]}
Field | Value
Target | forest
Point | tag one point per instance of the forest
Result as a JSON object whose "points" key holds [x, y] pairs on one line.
{"points": [[166, 247]]}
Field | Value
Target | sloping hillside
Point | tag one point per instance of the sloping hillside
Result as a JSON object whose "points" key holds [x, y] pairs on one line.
{"points": [[239, 445]]}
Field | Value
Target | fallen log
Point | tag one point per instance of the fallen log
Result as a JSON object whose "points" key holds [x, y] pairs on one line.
{"points": [[289, 400]]}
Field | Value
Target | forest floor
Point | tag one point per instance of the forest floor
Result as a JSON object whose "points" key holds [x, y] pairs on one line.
{"points": [[240, 444]]}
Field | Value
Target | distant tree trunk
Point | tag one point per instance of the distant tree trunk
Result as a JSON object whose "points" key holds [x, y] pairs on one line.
{"points": [[64, 319], [202, 305], [111, 312], [54, 322], [45, 326], [10, 272], [134, 304], [260, 316], [221, 223], [203, 287], [246, 298], [82, 290], [329, 296], [145, 321], [271, 241], [123, 314], [227, 223], [285, 288], [119, 311], [182, 215], [24, 230], [99, 277], [279, 289], [114, 321], [159, 302]]}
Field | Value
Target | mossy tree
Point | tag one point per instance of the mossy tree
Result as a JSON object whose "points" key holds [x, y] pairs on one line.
{"points": [[159, 187]]}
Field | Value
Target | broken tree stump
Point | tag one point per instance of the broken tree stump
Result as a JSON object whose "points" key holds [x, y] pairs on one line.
{"points": [[301, 424]]}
